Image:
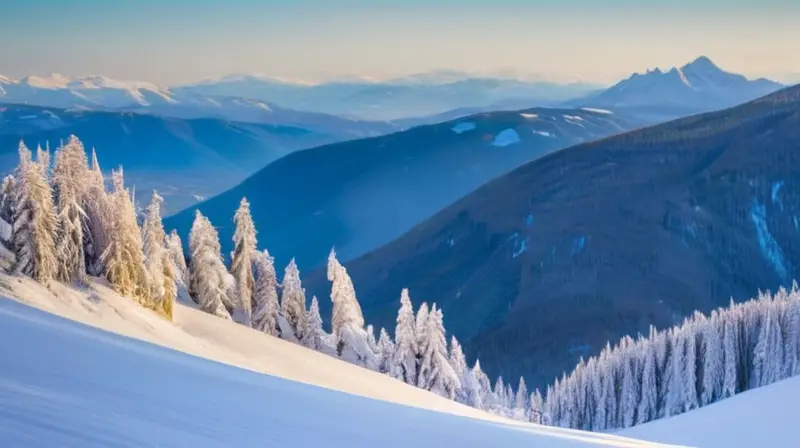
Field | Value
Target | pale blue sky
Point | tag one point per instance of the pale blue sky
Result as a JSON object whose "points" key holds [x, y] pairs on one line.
{"points": [[176, 41]]}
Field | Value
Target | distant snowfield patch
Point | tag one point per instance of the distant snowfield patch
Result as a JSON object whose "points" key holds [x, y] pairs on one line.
{"points": [[506, 137], [573, 117], [597, 111], [763, 417], [544, 133], [56, 386], [463, 127], [529, 116]]}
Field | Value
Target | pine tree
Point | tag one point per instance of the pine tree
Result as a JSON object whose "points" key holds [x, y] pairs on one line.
{"points": [[7, 198], [347, 321], [346, 310], [177, 264], [206, 269], [70, 180], [713, 361], [404, 365], [158, 261], [265, 295], [730, 378], [244, 240], [435, 372], [293, 299], [480, 389], [628, 399], [386, 352], [420, 325], [537, 405], [459, 364], [123, 258], [648, 402], [521, 402], [97, 205], [313, 334], [35, 222]]}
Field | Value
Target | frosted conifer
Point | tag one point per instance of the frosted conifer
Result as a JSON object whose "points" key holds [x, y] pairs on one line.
{"points": [[313, 335], [293, 299], [244, 240], [206, 270], [404, 365], [70, 180], [265, 295], [35, 223]]}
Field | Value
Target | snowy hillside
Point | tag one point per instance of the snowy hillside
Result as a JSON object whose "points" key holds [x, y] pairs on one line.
{"points": [[757, 418], [169, 398]]}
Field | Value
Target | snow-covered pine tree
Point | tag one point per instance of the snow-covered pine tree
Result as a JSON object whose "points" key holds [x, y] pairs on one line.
{"points": [[459, 364], [123, 258], [265, 295], [347, 321], [480, 388], [35, 222], [420, 325], [498, 404], [177, 262], [404, 365], [7, 198], [158, 260], [314, 337], [537, 405], [730, 379], [768, 352], [97, 205], [206, 269], [628, 398], [521, 410], [435, 372], [346, 310], [648, 402], [386, 352], [70, 180], [372, 342], [293, 299], [713, 359], [244, 241]]}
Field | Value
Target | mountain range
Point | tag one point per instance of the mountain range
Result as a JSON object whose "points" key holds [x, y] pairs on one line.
{"points": [[699, 86], [545, 264], [360, 194], [395, 99], [185, 160], [99, 93]]}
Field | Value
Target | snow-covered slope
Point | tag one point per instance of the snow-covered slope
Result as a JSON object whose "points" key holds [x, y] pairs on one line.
{"points": [[64, 384], [763, 417]]}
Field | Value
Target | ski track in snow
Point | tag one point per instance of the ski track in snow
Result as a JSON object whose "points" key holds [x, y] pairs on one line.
{"points": [[70, 385]]}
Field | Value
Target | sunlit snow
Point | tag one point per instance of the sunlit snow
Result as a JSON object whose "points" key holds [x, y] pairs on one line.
{"points": [[463, 127], [66, 384], [597, 111], [544, 133], [529, 116], [506, 137]]}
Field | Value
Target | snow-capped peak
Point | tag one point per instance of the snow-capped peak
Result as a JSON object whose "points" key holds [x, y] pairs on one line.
{"points": [[52, 81], [702, 63], [7, 80]]}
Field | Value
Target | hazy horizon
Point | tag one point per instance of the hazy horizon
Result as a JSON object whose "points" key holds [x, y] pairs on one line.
{"points": [[180, 42]]}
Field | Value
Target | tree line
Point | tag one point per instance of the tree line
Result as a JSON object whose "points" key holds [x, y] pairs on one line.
{"points": [[66, 225]]}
